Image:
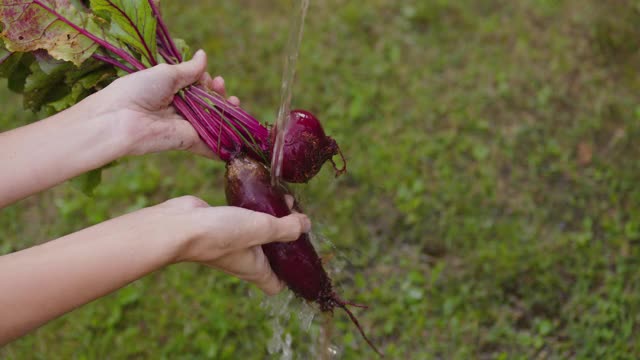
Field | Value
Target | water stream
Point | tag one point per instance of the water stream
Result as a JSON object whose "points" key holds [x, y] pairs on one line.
{"points": [[281, 307], [288, 77], [286, 310]]}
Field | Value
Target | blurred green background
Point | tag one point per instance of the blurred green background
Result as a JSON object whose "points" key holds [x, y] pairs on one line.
{"points": [[491, 209]]}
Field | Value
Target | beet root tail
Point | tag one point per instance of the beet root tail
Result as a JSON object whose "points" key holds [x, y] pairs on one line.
{"points": [[343, 305], [344, 163], [344, 302]]}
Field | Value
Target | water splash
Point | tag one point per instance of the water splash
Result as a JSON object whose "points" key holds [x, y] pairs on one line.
{"points": [[277, 306], [306, 313], [338, 261], [278, 345], [287, 310], [280, 308]]}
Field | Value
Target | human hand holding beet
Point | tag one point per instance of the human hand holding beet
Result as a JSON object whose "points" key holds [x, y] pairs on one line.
{"points": [[229, 238], [140, 104]]}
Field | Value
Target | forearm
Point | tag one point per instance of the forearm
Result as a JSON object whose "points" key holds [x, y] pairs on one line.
{"points": [[41, 283], [43, 154]]}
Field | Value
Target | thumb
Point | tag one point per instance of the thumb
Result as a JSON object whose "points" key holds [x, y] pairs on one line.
{"points": [[290, 227], [188, 72]]}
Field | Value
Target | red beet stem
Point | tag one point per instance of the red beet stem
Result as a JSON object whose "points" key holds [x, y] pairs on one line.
{"points": [[163, 32], [112, 61]]}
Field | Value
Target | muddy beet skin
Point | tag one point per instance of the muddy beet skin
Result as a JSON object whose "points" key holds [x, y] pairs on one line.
{"points": [[296, 263]]}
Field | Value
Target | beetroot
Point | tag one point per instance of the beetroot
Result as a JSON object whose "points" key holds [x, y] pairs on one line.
{"points": [[248, 185], [307, 148]]}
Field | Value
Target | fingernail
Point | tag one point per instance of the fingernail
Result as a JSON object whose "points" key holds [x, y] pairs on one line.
{"points": [[198, 53]]}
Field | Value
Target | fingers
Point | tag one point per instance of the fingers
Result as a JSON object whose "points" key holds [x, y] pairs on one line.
{"points": [[264, 277], [251, 265], [253, 228], [284, 229], [233, 238], [186, 202], [175, 133], [234, 100], [290, 227], [217, 84], [188, 72], [200, 148], [206, 80], [189, 140]]}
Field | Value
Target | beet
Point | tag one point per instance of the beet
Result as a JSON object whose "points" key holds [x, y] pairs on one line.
{"points": [[307, 148], [248, 185]]}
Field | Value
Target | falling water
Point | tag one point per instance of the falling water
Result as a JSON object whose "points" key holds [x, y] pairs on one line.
{"points": [[281, 307], [286, 309], [288, 76]]}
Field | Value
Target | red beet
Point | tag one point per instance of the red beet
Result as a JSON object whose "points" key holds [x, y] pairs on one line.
{"points": [[307, 148], [248, 185]]}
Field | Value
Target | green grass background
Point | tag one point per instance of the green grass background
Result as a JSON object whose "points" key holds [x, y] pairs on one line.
{"points": [[491, 209]]}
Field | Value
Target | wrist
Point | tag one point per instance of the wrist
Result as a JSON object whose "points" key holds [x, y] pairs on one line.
{"points": [[108, 128], [113, 125], [176, 223]]}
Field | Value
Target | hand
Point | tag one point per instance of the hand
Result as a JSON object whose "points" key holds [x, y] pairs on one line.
{"points": [[229, 238], [140, 104], [43, 282]]}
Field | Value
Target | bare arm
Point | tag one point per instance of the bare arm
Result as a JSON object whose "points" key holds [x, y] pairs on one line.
{"points": [[41, 155], [46, 281], [132, 116]]}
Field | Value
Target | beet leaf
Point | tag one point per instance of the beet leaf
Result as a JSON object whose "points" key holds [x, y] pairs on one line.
{"points": [[29, 26], [132, 22]]}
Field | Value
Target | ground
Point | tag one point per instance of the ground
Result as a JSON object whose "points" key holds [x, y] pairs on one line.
{"points": [[491, 208]]}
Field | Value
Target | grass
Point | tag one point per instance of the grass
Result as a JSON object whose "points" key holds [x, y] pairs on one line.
{"points": [[491, 205]]}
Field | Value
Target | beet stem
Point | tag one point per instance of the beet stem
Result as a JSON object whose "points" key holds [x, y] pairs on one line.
{"points": [[258, 130], [165, 54], [230, 135], [164, 32], [111, 61]]}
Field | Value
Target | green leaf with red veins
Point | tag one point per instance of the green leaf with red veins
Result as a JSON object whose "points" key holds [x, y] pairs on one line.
{"points": [[44, 24], [132, 22]]}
